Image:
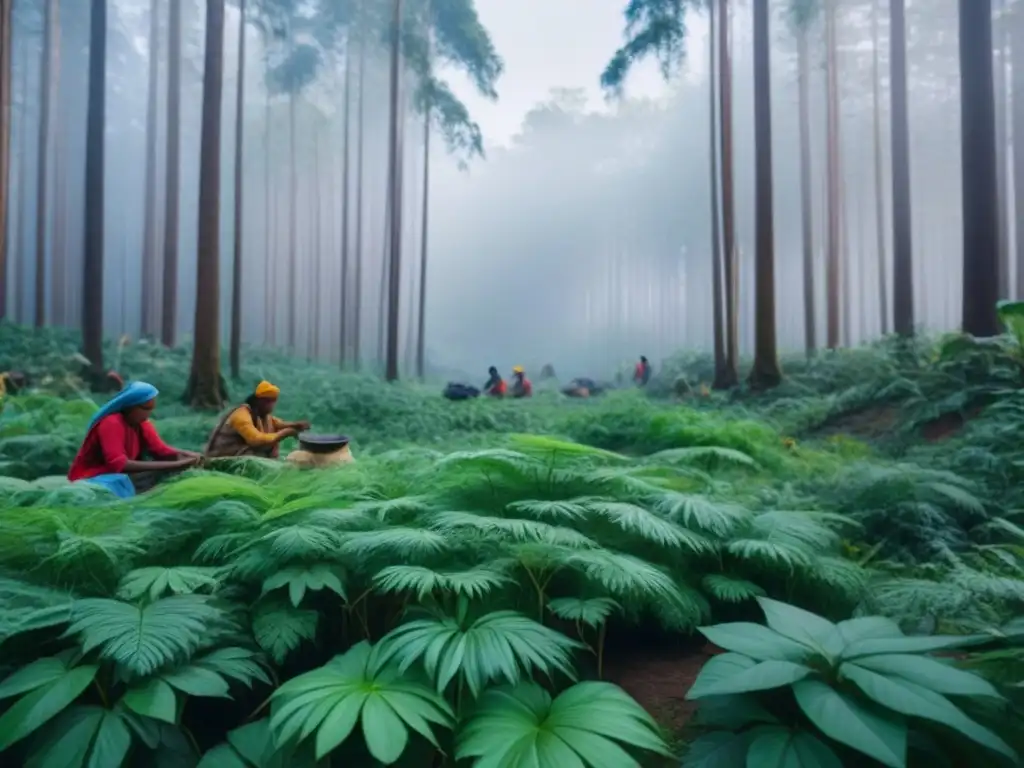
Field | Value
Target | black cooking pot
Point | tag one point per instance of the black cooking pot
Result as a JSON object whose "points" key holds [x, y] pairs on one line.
{"points": [[322, 443]]}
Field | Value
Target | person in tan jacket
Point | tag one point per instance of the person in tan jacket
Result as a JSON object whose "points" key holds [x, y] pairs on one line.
{"points": [[251, 429]]}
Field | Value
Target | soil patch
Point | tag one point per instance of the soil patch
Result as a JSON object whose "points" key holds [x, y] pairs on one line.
{"points": [[659, 680], [948, 424], [868, 424]]}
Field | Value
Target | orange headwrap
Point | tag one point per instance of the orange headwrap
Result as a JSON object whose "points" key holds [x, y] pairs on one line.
{"points": [[267, 390]]}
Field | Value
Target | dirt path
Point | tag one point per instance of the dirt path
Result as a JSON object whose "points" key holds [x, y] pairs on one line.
{"points": [[659, 680]]}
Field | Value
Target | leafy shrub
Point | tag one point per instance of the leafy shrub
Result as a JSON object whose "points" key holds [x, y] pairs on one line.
{"points": [[803, 691]]}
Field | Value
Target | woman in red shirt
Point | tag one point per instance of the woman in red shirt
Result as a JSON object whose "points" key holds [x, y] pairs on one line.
{"points": [[118, 436]]}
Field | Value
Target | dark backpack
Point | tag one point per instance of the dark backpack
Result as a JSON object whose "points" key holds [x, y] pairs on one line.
{"points": [[456, 391]]}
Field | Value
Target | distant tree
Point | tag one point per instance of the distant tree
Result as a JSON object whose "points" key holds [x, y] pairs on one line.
{"points": [[980, 195], [172, 195], [150, 260], [47, 79], [765, 373], [902, 212], [235, 353], [92, 274], [206, 385], [6, 60]]}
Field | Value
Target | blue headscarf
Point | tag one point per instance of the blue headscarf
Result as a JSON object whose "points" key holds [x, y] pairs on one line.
{"points": [[136, 393]]}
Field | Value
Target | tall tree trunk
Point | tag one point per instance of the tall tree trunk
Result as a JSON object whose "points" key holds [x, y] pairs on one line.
{"points": [[346, 298], [902, 214], [92, 272], [834, 174], [980, 197], [6, 63], [46, 80], [421, 336], [718, 329], [730, 375], [317, 243], [234, 352], [765, 372], [206, 386], [20, 262], [58, 258], [806, 209], [999, 77], [1017, 73], [172, 203], [293, 230], [149, 305], [357, 303], [269, 212], [880, 240], [394, 263]]}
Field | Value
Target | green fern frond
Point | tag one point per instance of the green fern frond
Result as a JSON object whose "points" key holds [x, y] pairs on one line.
{"points": [[516, 530], [142, 640], [701, 513], [156, 581], [729, 589], [592, 611], [279, 627], [396, 542], [557, 510], [636, 520], [299, 579], [708, 456], [423, 582]]}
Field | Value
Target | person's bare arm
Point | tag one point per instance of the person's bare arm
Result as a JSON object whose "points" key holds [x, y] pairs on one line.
{"points": [[131, 467]]}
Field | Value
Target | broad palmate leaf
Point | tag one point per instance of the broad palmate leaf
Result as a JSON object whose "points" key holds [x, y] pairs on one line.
{"points": [[359, 686], [582, 728], [501, 644], [49, 686], [143, 639], [82, 737]]}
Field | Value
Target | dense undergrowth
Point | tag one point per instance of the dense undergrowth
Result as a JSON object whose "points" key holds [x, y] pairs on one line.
{"points": [[445, 595]]}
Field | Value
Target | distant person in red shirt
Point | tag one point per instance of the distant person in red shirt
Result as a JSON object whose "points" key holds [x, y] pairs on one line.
{"points": [[642, 373], [117, 438], [521, 386], [495, 386]]}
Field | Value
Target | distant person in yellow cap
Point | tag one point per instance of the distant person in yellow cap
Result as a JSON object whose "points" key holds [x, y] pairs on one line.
{"points": [[521, 386], [251, 429]]}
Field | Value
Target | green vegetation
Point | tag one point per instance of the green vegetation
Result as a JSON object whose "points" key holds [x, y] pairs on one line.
{"points": [[456, 595]]}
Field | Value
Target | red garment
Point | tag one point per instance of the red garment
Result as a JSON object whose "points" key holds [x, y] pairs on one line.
{"points": [[523, 388], [112, 443], [499, 389]]}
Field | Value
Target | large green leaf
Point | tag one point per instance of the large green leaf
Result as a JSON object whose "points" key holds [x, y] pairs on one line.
{"points": [[44, 702], [154, 699], [358, 686], [82, 737], [912, 700], [868, 628], [716, 670], [252, 746], [816, 633], [582, 727], [885, 645], [930, 673], [592, 611], [502, 644], [299, 579], [733, 712], [717, 749], [762, 676], [1011, 314], [143, 639], [773, 746], [38, 673], [756, 641], [235, 663], [842, 718], [279, 627]]}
